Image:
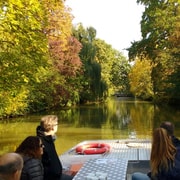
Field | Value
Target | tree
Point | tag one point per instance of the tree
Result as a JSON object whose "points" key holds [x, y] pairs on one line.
{"points": [[93, 87], [105, 57], [63, 55], [114, 67], [23, 52], [39, 62], [119, 74], [140, 79], [160, 44]]}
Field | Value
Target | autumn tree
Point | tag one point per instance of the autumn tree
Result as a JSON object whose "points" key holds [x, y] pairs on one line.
{"points": [[23, 53], [63, 49], [39, 62], [140, 79]]}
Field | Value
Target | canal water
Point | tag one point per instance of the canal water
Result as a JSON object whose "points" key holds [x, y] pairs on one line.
{"points": [[118, 118]]}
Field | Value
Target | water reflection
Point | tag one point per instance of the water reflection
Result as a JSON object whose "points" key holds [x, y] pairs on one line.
{"points": [[116, 119]]}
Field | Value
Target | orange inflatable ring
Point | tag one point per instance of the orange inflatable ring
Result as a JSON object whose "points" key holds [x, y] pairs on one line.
{"points": [[93, 148]]}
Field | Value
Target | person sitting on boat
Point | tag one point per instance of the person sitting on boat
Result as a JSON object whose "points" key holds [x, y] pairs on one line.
{"points": [[170, 129], [31, 149], [51, 162], [164, 160], [11, 165]]}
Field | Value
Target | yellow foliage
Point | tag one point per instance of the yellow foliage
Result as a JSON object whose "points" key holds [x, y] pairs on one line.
{"points": [[140, 79], [13, 102]]}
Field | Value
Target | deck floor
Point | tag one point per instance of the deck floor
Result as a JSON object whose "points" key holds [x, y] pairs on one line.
{"points": [[134, 150], [131, 150]]}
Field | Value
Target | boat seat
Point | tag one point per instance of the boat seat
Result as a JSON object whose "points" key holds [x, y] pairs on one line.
{"points": [[137, 166]]}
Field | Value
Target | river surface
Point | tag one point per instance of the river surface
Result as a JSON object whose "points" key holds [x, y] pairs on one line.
{"points": [[115, 119]]}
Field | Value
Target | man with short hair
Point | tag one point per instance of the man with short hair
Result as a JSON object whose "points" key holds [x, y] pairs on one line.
{"points": [[11, 165], [51, 162], [170, 129]]}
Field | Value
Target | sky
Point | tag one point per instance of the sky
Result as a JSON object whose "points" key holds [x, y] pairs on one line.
{"points": [[117, 22]]}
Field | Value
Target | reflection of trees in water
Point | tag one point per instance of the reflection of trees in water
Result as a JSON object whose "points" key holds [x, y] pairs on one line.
{"points": [[117, 114], [87, 116], [131, 115], [111, 120], [119, 119], [142, 117], [167, 113], [93, 117]]}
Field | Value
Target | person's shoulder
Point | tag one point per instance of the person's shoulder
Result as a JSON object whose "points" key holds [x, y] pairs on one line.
{"points": [[176, 141], [33, 168], [31, 161], [48, 138]]}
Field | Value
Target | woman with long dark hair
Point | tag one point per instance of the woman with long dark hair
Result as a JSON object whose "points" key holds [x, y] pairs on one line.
{"points": [[31, 149]]}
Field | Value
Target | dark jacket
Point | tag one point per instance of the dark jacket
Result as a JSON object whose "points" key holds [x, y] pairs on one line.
{"points": [[174, 171], [51, 162], [176, 141], [32, 169]]}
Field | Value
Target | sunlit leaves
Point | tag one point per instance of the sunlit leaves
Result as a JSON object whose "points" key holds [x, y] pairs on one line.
{"points": [[23, 49], [12, 101], [23, 46], [140, 79], [59, 21]]}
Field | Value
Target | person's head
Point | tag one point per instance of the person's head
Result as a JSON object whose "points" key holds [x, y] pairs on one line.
{"points": [[11, 165], [162, 150], [31, 146], [49, 123], [168, 126]]}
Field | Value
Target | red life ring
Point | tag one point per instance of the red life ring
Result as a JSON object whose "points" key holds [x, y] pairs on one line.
{"points": [[93, 148]]}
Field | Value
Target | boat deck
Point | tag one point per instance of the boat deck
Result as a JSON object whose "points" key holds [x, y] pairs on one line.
{"points": [[132, 153]]}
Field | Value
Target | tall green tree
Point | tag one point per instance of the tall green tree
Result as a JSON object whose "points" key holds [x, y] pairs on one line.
{"points": [[92, 85], [105, 57], [119, 74], [115, 67], [160, 27]]}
